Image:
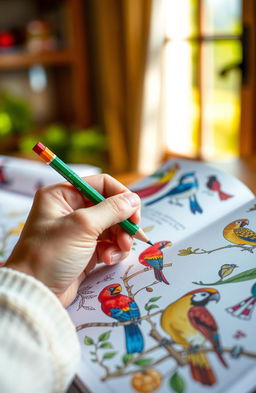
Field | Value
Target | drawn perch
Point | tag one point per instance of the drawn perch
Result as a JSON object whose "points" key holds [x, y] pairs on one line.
{"points": [[164, 178], [190, 324], [153, 257], [124, 309], [186, 189]]}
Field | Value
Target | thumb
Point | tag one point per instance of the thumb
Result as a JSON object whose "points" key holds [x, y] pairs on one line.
{"points": [[111, 211]]}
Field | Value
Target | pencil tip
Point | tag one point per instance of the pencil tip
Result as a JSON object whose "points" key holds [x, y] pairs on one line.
{"points": [[149, 242]]}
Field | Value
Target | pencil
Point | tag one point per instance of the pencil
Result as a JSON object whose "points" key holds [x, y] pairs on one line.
{"points": [[81, 185]]}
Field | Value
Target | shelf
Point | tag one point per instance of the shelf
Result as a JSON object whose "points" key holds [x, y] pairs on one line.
{"points": [[25, 59]]}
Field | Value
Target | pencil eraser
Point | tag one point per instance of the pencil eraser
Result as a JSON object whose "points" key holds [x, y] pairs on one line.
{"points": [[39, 148]]}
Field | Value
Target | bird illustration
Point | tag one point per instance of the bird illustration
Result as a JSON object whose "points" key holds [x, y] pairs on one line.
{"points": [[123, 308], [226, 270], [213, 184], [237, 234], [244, 309], [163, 179], [153, 257], [3, 179], [186, 189], [239, 334], [190, 324]]}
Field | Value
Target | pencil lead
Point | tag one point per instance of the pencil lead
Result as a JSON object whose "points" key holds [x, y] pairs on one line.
{"points": [[149, 242]]}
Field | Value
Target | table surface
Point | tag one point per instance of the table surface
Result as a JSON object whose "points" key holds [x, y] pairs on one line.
{"points": [[244, 169]]}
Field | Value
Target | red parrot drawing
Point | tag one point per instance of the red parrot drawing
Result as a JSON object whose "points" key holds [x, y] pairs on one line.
{"points": [[164, 178], [123, 308], [153, 257], [213, 184]]}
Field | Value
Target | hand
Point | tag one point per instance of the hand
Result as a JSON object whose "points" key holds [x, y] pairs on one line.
{"points": [[65, 236]]}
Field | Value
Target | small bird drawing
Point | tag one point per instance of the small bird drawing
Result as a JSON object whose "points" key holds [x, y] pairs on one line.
{"points": [[186, 189], [123, 308], [226, 270], [190, 324], [237, 234], [153, 257], [213, 184], [244, 309], [163, 179], [3, 180]]}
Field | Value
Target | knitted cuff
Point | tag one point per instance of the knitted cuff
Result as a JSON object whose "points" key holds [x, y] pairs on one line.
{"points": [[49, 323]]}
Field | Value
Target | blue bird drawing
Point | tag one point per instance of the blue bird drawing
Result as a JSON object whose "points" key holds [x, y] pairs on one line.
{"points": [[186, 189]]}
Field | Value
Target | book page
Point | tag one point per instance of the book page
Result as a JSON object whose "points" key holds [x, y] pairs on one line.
{"points": [[25, 176], [14, 210], [190, 309], [184, 196]]}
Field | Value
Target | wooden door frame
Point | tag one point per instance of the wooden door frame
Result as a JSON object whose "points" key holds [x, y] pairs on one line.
{"points": [[248, 90]]}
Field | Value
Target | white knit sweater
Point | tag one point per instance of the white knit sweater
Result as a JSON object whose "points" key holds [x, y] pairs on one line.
{"points": [[39, 349]]}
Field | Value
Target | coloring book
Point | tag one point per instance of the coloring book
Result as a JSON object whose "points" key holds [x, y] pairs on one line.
{"points": [[178, 316]]}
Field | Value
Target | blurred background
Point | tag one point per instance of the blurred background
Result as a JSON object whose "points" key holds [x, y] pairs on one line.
{"points": [[126, 84]]}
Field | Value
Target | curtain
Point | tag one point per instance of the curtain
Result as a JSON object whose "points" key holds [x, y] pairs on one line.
{"points": [[119, 31]]}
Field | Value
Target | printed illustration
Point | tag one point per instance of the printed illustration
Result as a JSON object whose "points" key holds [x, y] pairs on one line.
{"points": [[226, 270], [107, 277], [253, 208], [186, 189], [153, 256], [6, 234], [4, 181], [190, 324], [244, 309], [239, 334], [84, 293], [213, 184], [197, 330], [164, 178], [235, 233], [123, 308], [246, 275]]}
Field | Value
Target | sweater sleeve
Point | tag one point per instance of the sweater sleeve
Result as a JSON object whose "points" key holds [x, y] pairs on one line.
{"points": [[39, 347]]}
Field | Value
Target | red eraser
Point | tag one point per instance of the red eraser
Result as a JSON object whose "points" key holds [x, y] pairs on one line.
{"points": [[39, 148]]}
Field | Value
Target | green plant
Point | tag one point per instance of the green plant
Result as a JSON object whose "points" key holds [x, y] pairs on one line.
{"points": [[15, 115]]}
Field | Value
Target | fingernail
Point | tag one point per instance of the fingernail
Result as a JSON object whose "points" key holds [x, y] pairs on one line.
{"points": [[132, 198], [115, 257]]}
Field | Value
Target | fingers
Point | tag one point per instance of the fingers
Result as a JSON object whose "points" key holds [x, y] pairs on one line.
{"points": [[108, 212], [64, 198], [111, 254]]}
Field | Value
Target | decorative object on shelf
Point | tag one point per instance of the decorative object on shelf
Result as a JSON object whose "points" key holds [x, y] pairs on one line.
{"points": [[40, 37]]}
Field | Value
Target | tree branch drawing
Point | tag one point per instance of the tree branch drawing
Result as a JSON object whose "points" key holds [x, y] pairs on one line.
{"points": [[130, 362], [198, 251]]}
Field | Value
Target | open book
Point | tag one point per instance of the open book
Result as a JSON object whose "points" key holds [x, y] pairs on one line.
{"points": [[178, 316]]}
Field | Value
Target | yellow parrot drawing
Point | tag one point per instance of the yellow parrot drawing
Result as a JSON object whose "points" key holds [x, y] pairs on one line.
{"points": [[190, 324], [237, 234]]}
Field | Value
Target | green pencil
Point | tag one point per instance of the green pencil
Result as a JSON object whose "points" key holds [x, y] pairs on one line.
{"points": [[81, 185]]}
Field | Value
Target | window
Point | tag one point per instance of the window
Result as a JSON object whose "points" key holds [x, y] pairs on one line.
{"points": [[202, 56]]}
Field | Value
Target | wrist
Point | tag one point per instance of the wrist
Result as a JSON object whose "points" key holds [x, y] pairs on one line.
{"points": [[20, 266]]}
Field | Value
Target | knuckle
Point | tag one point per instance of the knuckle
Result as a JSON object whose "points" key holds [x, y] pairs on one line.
{"points": [[118, 205], [81, 219]]}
